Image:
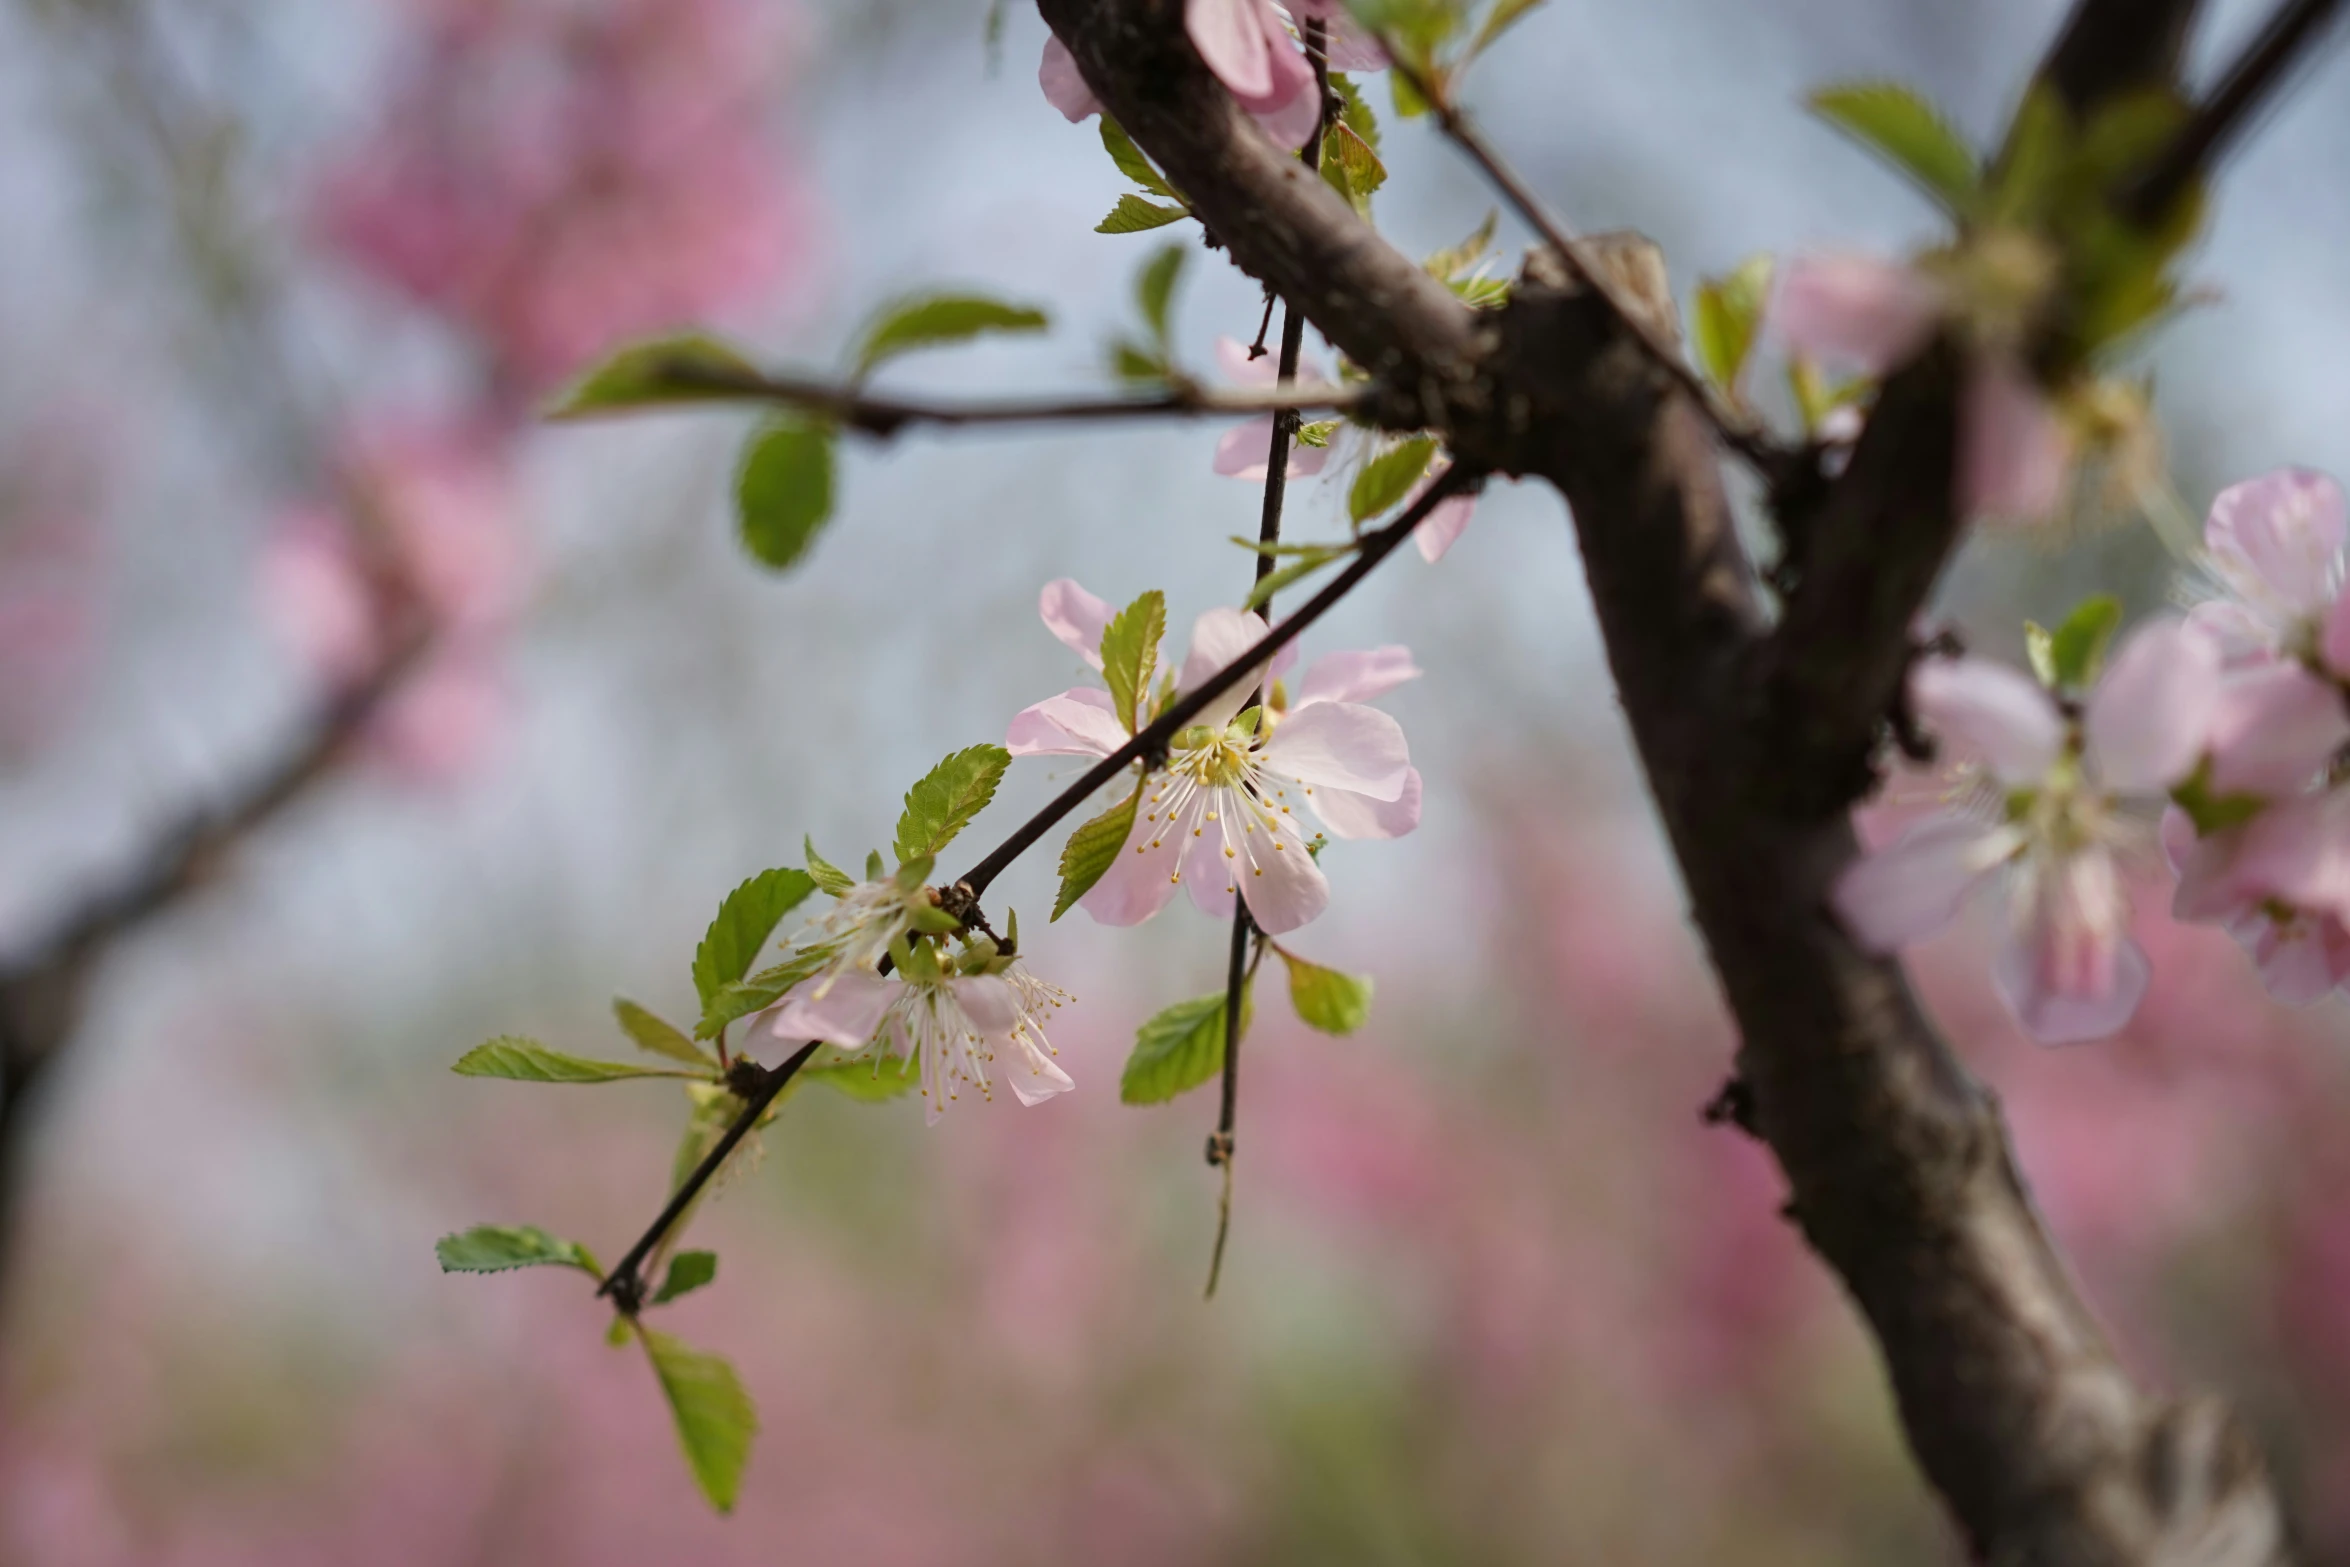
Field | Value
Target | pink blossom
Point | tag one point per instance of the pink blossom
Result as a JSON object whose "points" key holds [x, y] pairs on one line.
{"points": [[2275, 548], [1445, 522], [2300, 954], [1860, 312], [2037, 797], [1247, 447], [49, 559], [1064, 88], [2014, 454], [1348, 760], [1247, 43], [954, 1028]]}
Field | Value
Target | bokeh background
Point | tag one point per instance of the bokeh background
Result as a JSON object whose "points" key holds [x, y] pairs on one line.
{"points": [[282, 284]]}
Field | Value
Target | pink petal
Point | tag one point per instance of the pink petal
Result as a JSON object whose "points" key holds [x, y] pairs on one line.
{"points": [[1853, 310], [1910, 889], [1987, 712], [1293, 108], [2296, 961], [1246, 451], [2055, 1018], [2297, 853], [1218, 638], [1265, 369], [1284, 887], [1143, 877], [1230, 37], [1341, 745], [1075, 723], [313, 589], [1351, 815], [1209, 875], [1349, 47], [1064, 88], [1356, 676], [1034, 1076], [2333, 640], [1076, 617], [2274, 730], [1443, 526], [846, 1014], [2014, 453], [990, 1002], [440, 721], [2151, 714], [2282, 535], [2241, 636]]}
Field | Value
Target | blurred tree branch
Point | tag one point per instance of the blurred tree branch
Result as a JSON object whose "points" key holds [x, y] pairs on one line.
{"points": [[1756, 739]]}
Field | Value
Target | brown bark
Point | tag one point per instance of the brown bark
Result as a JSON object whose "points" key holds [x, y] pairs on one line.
{"points": [[1755, 738]]}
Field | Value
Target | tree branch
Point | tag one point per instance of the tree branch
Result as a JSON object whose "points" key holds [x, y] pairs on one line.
{"points": [[853, 408], [2044, 1449]]}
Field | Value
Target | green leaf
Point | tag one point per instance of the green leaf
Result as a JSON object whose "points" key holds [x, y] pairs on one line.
{"points": [[873, 1076], [1456, 258], [1909, 133], [1498, 21], [1388, 478], [1728, 317], [1409, 105], [946, 799], [936, 320], [1093, 848], [495, 1248], [1130, 653], [528, 1061], [1179, 1049], [759, 992], [659, 1037], [742, 925], [1156, 287], [2076, 648], [1131, 162], [715, 1417], [1317, 432], [2211, 811], [1324, 998], [2031, 166], [1130, 361], [828, 877], [1133, 215], [2040, 650], [783, 489], [688, 367], [688, 1271], [1350, 166], [1305, 565]]}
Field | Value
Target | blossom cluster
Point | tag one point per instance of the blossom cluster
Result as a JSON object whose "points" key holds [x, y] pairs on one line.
{"points": [[2228, 724]]}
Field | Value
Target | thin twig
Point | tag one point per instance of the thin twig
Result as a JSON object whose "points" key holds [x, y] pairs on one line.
{"points": [[2250, 81], [1150, 740], [883, 417], [1737, 432]]}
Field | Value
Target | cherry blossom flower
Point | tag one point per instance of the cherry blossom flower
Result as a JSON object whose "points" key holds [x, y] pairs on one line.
{"points": [[954, 1026], [2300, 954], [1247, 448], [1868, 315], [2276, 551], [2038, 795], [1446, 521], [1220, 814], [1248, 44]]}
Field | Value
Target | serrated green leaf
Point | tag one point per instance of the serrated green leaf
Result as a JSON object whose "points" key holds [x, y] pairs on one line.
{"points": [[2076, 648], [688, 1271], [1346, 149], [1481, 293], [783, 489], [494, 1248], [528, 1061], [1451, 260], [1728, 317], [1130, 653], [828, 877], [874, 1076], [758, 992], [742, 926], [1133, 215], [1306, 564], [1388, 478], [1910, 133], [1354, 112], [1093, 848], [946, 799], [938, 320], [1317, 432], [1499, 20], [1179, 1049], [1131, 162], [715, 1417], [687, 367], [1156, 287], [1324, 998], [658, 1036]]}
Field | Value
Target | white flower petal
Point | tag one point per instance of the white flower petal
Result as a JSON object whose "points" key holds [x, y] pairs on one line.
{"points": [[1341, 745], [1355, 676], [1076, 617], [1351, 815], [1218, 638], [2150, 716], [1910, 889], [1987, 712]]}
